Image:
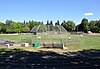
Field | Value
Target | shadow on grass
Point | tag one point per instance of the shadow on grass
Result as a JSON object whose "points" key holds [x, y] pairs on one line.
{"points": [[19, 59]]}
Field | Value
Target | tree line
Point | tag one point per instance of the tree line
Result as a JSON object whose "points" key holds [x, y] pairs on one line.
{"points": [[17, 27], [85, 26], [24, 27]]}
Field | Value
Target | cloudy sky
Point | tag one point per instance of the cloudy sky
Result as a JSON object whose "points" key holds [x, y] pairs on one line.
{"points": [[43, 10]]}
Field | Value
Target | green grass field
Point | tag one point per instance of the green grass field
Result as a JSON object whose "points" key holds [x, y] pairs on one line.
{"points": [[80, 43]]}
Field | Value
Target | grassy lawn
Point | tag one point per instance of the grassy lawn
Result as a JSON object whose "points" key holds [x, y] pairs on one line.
{"points": [[88, 42], [85, 42], [91, 42]]}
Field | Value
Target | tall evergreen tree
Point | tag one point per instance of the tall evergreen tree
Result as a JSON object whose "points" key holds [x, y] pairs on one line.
{"points": [[47, 22], [51, 23], [57, 23]]}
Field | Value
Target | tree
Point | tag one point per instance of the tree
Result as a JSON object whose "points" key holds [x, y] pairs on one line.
{"points": [[97, 26], [24, 22], [18, 27], [84, 25], [8, 26], [9, 22], [92, 26], [51, 23], [42, 22], [25, 29], [69, 25], [57, 23], [47, 22], [2, 27], [63, 22], [13, 27], [32, 23]]}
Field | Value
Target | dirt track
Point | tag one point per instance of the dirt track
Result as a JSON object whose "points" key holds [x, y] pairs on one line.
{"points": [[94, 34], [10, 34]]}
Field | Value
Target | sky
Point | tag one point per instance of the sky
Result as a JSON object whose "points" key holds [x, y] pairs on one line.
{"points": [[43, 10]]}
